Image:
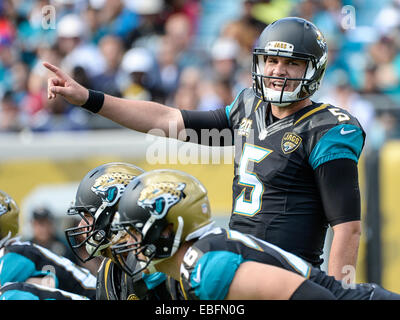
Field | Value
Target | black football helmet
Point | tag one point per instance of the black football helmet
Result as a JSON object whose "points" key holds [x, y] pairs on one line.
{"points": [[295, 38], [97, 198], [9, 213], [152, 203]]}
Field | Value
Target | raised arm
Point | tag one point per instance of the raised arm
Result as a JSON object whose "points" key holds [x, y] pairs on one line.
{"points": [[141, 116]]}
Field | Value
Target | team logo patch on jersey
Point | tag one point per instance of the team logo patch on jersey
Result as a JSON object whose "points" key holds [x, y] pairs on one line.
{"points": [[160, 197], [290, 142], [245, 127]]}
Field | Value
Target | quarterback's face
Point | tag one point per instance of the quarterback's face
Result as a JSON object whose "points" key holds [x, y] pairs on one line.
{"points": [[285, 68]]}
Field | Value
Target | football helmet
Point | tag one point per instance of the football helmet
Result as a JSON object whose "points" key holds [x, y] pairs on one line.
{"points": [[153, 203], [295, 38], [9, 212], [96, 202]]}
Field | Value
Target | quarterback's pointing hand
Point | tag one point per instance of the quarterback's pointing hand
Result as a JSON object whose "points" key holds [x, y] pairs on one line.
{"points": [[65, 86]]}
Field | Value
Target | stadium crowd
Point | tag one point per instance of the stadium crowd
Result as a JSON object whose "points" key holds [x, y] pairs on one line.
{"points": [[188, 54]]}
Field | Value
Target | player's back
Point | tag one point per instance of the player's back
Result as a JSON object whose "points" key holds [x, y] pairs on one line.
{"points": [[210, 264], [31, 291], [23, 260]]}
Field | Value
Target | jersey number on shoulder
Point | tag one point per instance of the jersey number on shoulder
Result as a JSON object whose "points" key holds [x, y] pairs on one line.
{"points": [[340, 115], [249, 179]]}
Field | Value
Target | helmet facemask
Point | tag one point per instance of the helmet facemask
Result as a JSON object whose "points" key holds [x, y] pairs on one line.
{"points": [[89, 239], [147, 244], [307, 84], [293, 38], [96, 204]]}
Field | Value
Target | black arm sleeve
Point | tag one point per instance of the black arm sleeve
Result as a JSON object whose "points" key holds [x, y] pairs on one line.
{"points": [[337, 181], [209, 128]]}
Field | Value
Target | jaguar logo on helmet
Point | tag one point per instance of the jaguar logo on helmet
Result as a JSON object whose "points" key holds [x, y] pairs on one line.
{"points": [[320, 39], [4, 208], [160, 197], [111, 186]]}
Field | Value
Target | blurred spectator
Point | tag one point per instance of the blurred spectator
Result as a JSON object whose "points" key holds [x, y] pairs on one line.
{"points": [[9, 114], [112, 49], [387, 59], [190, 8], [178, 33], [388, 17], [344, 96], [150, 26], [92, 37], [44, 233], [188, 95], [223, 59], [116, 18], [76, 51], [168, 68], [137, 63], [386, 127]]}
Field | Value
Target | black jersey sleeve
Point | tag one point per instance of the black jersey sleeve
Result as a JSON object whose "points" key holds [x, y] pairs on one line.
{"points": [[337, 182], [207, 127]]}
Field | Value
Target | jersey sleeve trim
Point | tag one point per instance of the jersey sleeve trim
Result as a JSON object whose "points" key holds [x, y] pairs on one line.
{"points": [[229, 107], [341, 142], [213, 274]]}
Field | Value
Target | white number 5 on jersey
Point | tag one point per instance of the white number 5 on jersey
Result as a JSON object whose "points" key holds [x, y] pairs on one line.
{"points": [[249, 179]]}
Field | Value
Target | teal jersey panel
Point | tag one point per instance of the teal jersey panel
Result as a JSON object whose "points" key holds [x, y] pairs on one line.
{"points": [[153, 280], [15, 268], [341, 142], [18, 295], [214, 273], [229, 108]]}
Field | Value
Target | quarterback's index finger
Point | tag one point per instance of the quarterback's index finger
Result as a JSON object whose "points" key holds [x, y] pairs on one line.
{"points": [[54, 69]]}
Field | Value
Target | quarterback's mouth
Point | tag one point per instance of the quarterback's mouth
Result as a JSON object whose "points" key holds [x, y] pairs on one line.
{"points": [[278, 85]]}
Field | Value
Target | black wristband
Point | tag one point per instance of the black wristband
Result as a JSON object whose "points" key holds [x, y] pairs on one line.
{"points": [[94, 102]]}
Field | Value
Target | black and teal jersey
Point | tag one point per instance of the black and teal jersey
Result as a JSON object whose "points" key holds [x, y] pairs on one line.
{"points": [[20, 261], [114, 284], [276, 196], [210, 264], [30, 291]]}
